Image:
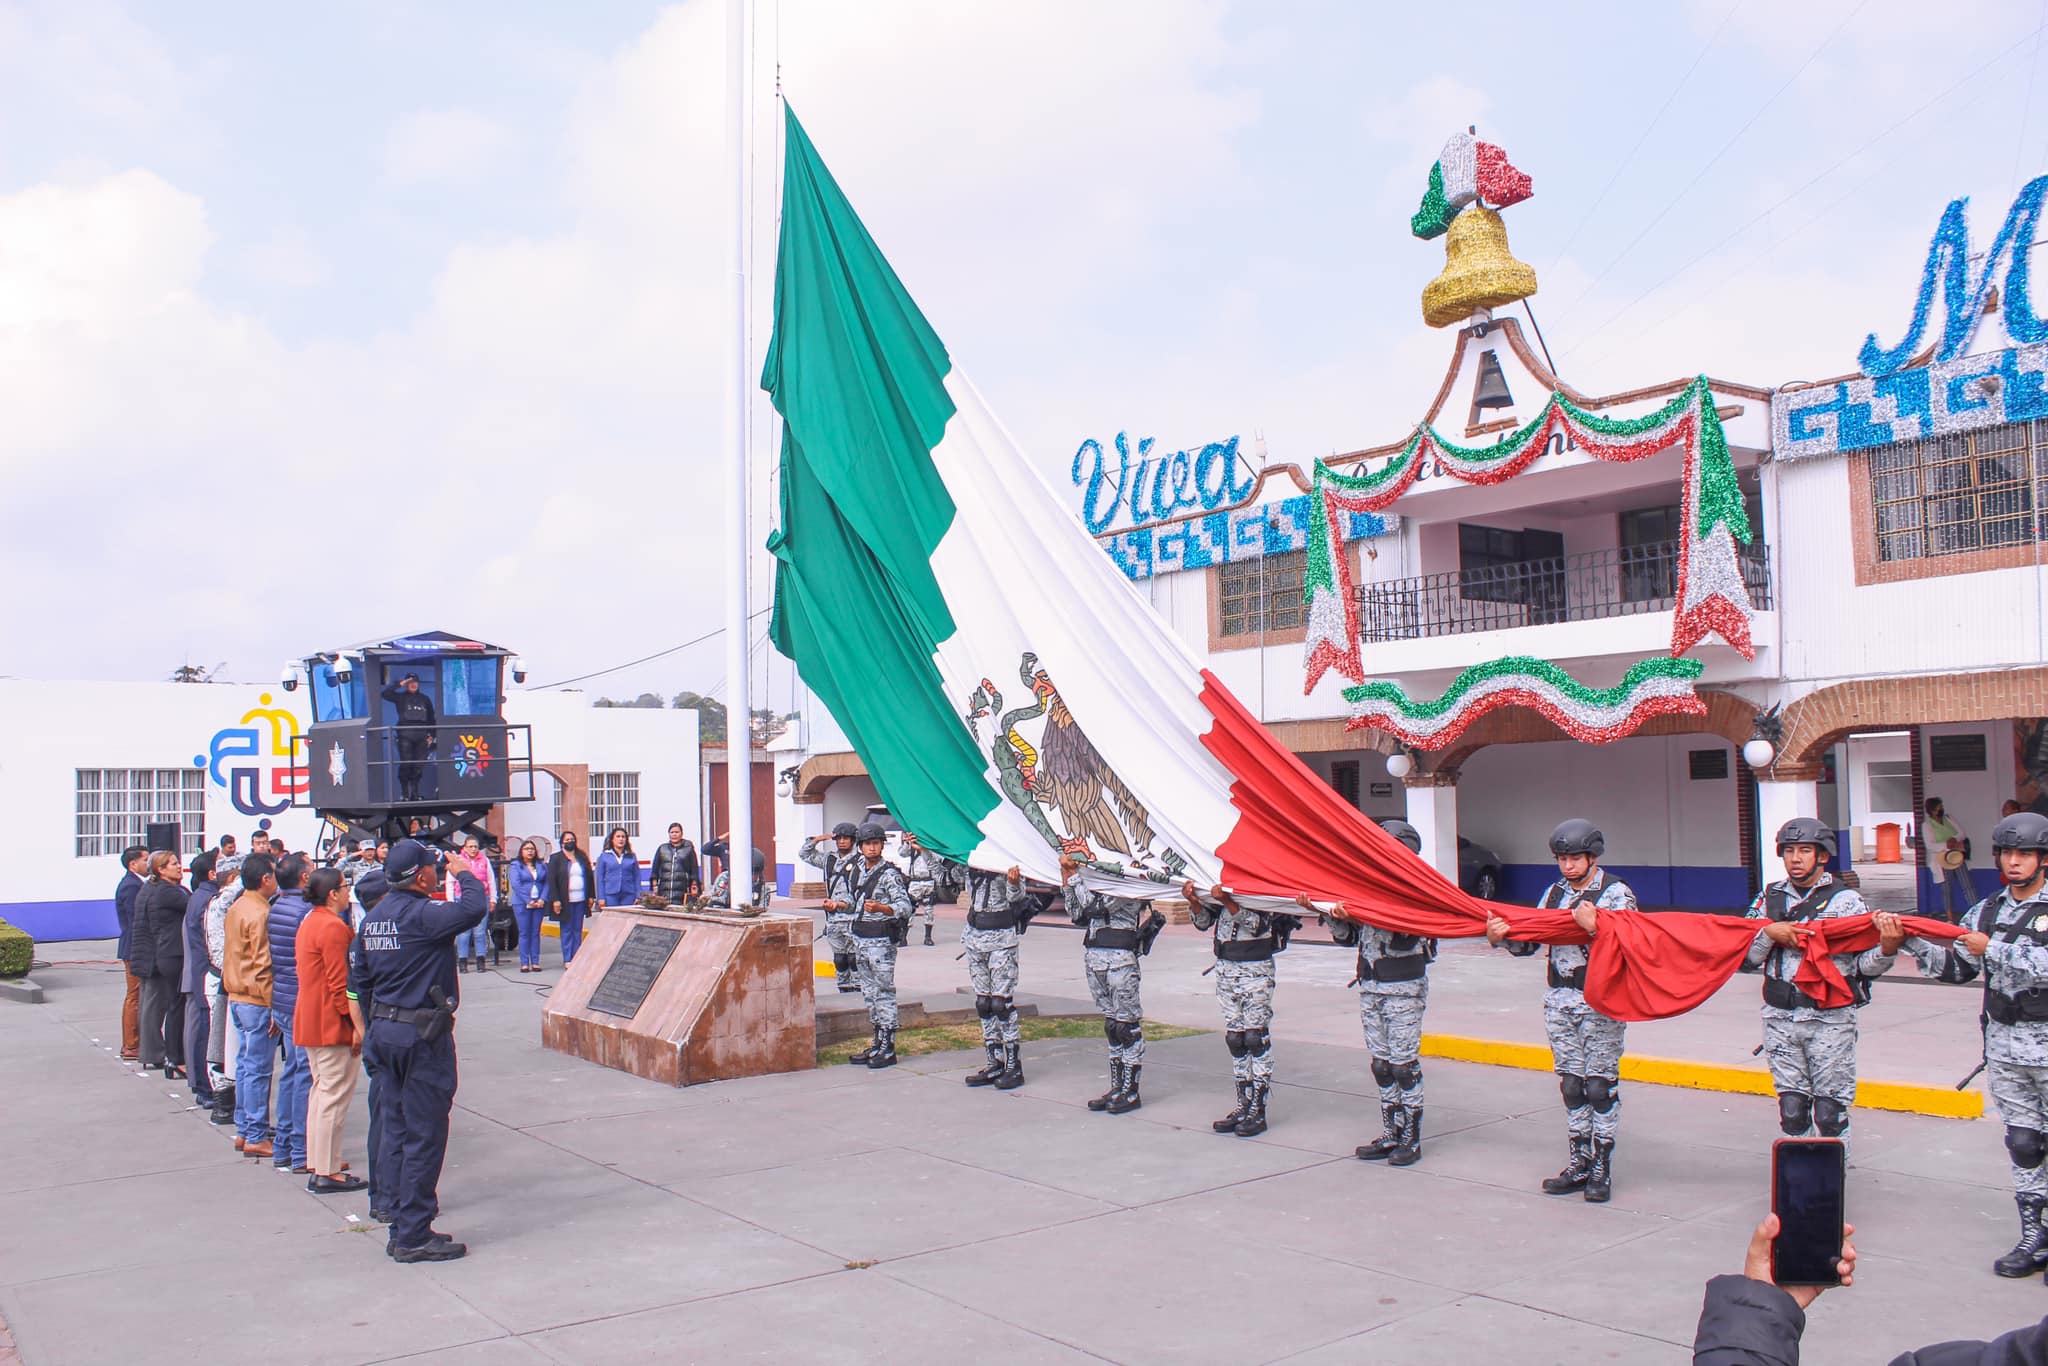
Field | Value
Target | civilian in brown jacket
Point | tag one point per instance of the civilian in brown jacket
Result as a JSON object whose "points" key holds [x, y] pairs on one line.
{"points": [[245, 974], [328, 1024]]}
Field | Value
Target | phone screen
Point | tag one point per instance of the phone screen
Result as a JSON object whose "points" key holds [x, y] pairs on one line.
{"points": [[1807, 1180]]}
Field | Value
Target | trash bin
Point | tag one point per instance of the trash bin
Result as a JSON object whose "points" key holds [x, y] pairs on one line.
{"points": [[1888, 842]]}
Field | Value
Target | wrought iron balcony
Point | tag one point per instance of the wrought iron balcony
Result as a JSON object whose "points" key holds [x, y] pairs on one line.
{"points": [[1619, 582]]}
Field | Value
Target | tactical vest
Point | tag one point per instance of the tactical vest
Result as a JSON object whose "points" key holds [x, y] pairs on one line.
{"points": [[1401, 964], [2031, 1004], [1576, 978], [1780, 993]]}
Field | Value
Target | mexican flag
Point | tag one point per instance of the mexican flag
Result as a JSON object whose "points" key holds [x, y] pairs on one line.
{"points": [[1012, 695]]}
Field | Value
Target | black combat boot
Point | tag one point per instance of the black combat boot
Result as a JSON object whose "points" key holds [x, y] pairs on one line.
{"points": [[860, 1059], [1390, 1117], [1254, 1121], [884, 1054], [1572, 1179], [1408, 1151], [1013, 1067], [928, 938], [1116, 1086], [223, 1105], [1228, 1124], [1127, 1100], [987, 1075], [1600, 1180], [2030, 1254]]}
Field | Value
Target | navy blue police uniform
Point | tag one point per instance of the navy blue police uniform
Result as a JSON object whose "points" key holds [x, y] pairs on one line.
{"points": [[408, 952]]}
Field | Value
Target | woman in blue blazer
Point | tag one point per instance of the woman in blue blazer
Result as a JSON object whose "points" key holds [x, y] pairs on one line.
{"points": [[529, 903], [618, 871]]}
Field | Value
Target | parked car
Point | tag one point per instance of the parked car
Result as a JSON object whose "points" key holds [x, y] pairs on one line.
{"points": [[1478, 870]]}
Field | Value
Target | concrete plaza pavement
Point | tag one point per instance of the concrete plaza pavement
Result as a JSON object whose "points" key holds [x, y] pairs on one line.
{"points": [[841, 1215]]}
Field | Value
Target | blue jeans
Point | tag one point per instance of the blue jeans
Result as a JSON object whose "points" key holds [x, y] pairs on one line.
{"points": [[572, 928], [252, 1071], [474, 943], [1957, 892], [294, 1085], [529, 935]]}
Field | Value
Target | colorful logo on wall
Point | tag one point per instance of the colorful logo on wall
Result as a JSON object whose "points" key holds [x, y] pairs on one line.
{"points": [[474, 757], [253, 760]]}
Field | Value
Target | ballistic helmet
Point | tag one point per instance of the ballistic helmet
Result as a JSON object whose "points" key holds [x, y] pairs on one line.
{"points": [[843, 831], [869, 830], [1577, 836], [1806, 830], [2021, 830], [1405, 833]]}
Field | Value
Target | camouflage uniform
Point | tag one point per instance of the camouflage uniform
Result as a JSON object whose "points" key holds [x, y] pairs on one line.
{"points": [[1811, 1052], [721, 891], [1112, 971], [874, 936], [927, 873], [1393, 992], [990, 938], [1585, 1046], [1245, 943], [2015, 1052], [820, 853]]}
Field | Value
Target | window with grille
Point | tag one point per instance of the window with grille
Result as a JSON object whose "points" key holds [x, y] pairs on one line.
{"points": [[1949, 495], [614, 801], [114, 808], [1261, 595]]}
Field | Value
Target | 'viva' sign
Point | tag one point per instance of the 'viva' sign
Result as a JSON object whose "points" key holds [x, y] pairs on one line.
{"points": [[1948, 261], [1151, 489]]}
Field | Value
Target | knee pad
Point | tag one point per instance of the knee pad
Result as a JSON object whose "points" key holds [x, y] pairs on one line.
{"points": [[1830, 1116], [1234, 1041], [984, 1006], [1573, 1089], [1112, 1031], [1795, 1112], [2028, 1147], [999, 1007], [1257, 1041], [1383, 1071], [1603, 1093], [1132, 1031], [1408, 1075]]}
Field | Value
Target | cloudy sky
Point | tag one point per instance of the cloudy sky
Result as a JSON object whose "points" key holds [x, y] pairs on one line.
{"points": [[321, 322]]}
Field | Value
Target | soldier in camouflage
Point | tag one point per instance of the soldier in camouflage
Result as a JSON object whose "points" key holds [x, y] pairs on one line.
{"points": [[880, 896], [1811, 1051], [1393, 992], [827, 858], [1245, 944], [1109, 958], [1585, 1046], [2008, 943], [995, 908], [929, 875]]}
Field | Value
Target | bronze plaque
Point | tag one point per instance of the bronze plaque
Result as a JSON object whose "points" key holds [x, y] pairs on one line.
{"points": [[625, 984]]}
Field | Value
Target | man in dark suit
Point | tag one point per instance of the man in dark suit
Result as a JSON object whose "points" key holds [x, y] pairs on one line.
{"points": [[134, 860]]}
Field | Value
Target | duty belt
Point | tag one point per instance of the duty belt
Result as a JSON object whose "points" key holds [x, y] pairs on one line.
{"points": [[992, 920], [415, 1018], [1575, 979], [2029, 1006], [1244, 950], [1107, 938], [1401, 967], [1782, 995], [869, 928]]}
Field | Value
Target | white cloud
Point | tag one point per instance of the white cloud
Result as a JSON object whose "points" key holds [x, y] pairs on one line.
{"points": [[443, 146]]}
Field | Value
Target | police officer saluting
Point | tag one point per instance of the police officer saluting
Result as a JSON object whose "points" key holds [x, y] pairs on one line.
{"points": [[408, 962], [416, 721], [838, 912], [1812, 1052], [1585, 1045], [2008, 943]]}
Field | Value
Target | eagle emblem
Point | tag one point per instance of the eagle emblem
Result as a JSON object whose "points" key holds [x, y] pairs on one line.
{"points": [[1047, 767]]}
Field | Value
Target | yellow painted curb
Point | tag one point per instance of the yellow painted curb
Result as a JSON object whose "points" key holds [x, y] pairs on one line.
{"points": [[820, 968], [1939, 1101]]}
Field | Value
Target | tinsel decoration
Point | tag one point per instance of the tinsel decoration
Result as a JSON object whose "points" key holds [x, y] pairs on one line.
{"points": [[1948, 260], [1712, 599], [1651, 687]]}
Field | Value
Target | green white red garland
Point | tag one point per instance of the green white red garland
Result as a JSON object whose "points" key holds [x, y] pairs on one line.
{"points": [[1711, 596]]}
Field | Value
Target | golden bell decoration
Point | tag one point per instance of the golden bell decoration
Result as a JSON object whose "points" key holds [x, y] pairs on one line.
{"points": [[1479, 270]]}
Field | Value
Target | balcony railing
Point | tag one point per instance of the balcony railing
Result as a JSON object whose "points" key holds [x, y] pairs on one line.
{"points": [[1619, 582]]}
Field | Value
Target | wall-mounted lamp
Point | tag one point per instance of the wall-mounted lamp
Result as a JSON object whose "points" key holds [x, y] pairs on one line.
{"points": [[1767, 734], [1400, 763]]}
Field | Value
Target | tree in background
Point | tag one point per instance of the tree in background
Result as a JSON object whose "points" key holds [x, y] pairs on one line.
{"points": [[646, 699], [710, 715], [195, 673]]}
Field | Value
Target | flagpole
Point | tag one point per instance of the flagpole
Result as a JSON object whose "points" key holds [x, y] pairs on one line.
{"points": [[739, 756]]}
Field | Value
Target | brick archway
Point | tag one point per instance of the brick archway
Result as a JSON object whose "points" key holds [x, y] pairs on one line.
{"points": [[1820, 719], [575, 781]]}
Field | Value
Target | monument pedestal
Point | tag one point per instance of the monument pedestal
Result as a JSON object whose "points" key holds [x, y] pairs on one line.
{"points": [[685, 997]]}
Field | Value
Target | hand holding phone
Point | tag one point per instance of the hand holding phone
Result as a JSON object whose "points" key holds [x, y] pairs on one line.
{"points": [[1807, 1244]]}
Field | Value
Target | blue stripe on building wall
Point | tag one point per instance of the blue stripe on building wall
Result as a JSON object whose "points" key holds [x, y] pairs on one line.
{"points": [[50, 921], [1698, 889]]}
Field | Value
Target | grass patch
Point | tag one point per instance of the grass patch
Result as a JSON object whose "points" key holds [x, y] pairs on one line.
{"points": [[945, 1038]]}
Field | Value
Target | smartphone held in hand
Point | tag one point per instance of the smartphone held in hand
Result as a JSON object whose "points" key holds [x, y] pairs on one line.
{"points": [[1808, 1180]]}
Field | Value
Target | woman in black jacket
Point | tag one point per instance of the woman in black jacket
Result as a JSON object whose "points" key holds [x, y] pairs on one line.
{"points": [[156, 949], [676, 875], [571, 885]]}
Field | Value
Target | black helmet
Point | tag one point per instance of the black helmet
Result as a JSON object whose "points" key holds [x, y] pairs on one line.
{"points": [[1806, 830], [869, 831], [843, 831], [1403, 832], [1577, 836], [2021, 830]]}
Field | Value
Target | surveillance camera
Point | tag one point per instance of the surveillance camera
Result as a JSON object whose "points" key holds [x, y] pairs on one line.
{"points": [[289, 676]]}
